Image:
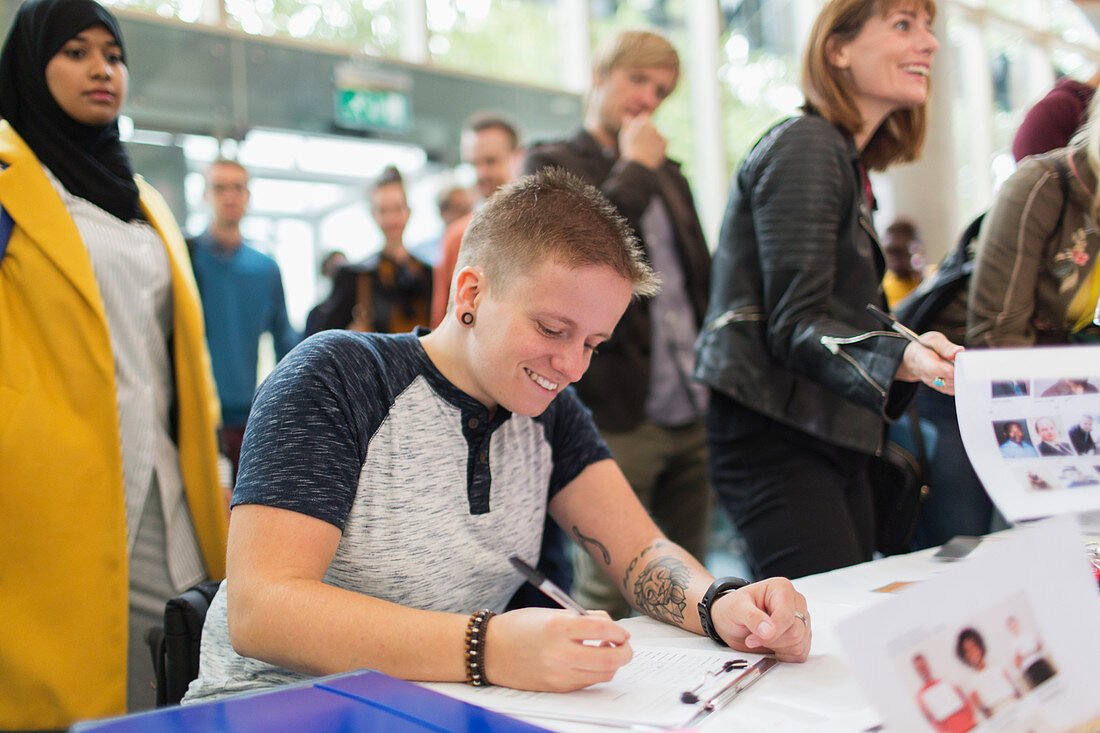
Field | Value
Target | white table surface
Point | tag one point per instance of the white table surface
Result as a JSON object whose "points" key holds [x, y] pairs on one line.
{"points": [[814, 697]]}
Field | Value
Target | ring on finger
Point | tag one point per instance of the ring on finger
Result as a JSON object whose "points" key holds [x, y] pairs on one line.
{"points": [[802, 617], [938, 382]]}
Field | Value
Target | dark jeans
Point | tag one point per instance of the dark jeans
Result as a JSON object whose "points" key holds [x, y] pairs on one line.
{"points": [[802, 505], [957, 502]]}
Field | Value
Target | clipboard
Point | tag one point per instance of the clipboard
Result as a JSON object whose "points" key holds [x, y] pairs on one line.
{"points": [[728, 692], [650, 697]]}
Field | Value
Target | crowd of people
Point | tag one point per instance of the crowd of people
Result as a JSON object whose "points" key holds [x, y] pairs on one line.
{"points": [[594, 378]]}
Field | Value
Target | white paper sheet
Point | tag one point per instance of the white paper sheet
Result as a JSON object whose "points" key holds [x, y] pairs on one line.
{"points": [[1033, 588], [645, 691], [1008, 400]]}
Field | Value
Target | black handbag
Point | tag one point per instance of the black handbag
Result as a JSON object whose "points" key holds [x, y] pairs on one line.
{"points": [[175, 646], [899, 487]]}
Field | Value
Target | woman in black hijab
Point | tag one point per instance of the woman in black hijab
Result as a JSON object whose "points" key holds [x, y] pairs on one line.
{"points": [[111, 501], [88, 159]]}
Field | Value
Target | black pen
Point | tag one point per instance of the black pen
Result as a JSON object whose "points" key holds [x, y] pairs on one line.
{"points": [[904, 330], [890, 322], [547, 586]]}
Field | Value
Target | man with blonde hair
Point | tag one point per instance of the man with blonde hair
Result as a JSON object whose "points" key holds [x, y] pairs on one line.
{"points": [[639, 387]]}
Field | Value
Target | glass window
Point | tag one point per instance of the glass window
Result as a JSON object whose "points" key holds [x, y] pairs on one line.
{"points": [[370, 26], [759, 75], [506, 39], [186, 10]]}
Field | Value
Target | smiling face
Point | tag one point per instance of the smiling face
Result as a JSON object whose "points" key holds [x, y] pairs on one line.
{"points": [[1015, 433], [534, 336], [973, 654], [624, 93], [888, 64], [88, 77]]}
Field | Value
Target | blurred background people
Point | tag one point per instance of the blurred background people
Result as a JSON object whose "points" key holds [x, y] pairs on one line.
{"points": [[801, 375], [1053, 120], [111, 501], [391, 291], [454, 201], [1035, 276], [639, 384], [491, 144], [902, 248], [242, 299]]}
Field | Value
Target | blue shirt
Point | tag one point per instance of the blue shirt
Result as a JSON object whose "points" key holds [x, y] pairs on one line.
{"points": [[1012, 449], [242, 298]]}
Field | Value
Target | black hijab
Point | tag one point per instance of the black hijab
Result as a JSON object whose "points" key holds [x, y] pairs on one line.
{"points": [[89, 160]]}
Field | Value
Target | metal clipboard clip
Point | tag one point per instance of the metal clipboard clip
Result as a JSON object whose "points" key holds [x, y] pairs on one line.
{"points": [[726, 694]]}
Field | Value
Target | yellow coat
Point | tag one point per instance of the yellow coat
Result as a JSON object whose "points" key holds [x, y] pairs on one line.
{"points": [[63, 560]]}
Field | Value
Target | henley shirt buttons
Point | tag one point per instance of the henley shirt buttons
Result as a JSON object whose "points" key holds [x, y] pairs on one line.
{"points": [[482, 457], [473, 423]]}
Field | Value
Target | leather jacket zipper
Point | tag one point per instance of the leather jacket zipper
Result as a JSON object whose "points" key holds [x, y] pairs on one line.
{"points": [[833, 344], [735, 316]]}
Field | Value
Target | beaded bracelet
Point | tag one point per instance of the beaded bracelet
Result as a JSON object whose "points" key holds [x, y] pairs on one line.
{"points": [[475, 647]]}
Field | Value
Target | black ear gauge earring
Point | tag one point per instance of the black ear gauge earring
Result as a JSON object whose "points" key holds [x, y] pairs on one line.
{"points": [[467, 318]]}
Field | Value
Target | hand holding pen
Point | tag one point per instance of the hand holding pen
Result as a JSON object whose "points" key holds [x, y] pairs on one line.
{"points": [[929, 358], [551, 650]]}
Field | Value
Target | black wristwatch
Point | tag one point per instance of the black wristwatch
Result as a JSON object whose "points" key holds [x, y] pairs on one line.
{"points": [[717, 589]]}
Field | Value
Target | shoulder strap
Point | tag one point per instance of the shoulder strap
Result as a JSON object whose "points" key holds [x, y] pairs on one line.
{"points": [[1063, 183], [362, 313], [6, 225]]}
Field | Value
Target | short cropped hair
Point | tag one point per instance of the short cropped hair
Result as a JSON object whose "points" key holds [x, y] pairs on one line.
{"points": [[444, 200], [552, 216], [494, 121], [900, 137], [227, 161], [635, 49]]}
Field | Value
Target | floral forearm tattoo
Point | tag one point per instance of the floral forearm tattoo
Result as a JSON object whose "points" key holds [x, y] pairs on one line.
{"points": [[660, 590]]}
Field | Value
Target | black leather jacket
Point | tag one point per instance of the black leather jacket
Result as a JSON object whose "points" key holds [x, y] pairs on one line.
{"points": [[616, 384], [787, 332]]}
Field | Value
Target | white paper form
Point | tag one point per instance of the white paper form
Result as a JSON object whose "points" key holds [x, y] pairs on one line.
{"points": [[1006, 641], [1030, 422], [644, 692]]}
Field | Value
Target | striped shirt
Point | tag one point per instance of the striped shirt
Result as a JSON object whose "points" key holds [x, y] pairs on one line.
{"points": [[135, 283]]}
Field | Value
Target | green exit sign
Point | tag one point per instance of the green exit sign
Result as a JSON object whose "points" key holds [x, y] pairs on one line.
{"points": [[372, 109]]}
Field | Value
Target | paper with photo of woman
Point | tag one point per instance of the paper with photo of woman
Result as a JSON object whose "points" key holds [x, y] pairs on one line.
{"points": [[1004, 641]]}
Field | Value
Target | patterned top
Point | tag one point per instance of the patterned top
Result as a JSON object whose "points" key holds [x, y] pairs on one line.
{"points": [[431, 492], [134, 280]]}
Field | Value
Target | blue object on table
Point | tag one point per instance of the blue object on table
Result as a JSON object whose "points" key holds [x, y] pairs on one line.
{"points": [[346, 703]]}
